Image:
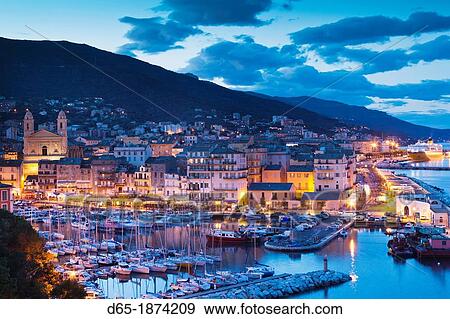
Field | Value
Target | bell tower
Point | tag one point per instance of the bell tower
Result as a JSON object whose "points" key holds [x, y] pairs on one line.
{"points": [[28, 124], [61, 123]]}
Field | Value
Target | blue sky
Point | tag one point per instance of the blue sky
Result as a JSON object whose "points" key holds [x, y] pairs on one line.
{"points": [[386, 55]]}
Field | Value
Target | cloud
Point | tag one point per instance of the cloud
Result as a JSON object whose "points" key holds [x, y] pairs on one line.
{"points": [[214, 12], [243, 62], [436, 49], [281, 71], [152, 35], [381, 61], [427, 90], [357, 30], [347, 87]]}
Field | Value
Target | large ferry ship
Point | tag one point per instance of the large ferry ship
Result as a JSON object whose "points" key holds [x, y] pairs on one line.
{"points": [[425, 150]]}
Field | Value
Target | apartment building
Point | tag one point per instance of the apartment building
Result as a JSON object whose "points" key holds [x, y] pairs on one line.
{"points": [[47, 177], [135, 154], [228, 174], [256, 156], [334, 169], [11, 173], [6, 197], [198, 172], [302, 176], [73, 175], [104, 174]]}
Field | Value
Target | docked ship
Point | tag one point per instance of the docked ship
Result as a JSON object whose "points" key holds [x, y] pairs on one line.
{"points": [[225, 236], [425, 151]]}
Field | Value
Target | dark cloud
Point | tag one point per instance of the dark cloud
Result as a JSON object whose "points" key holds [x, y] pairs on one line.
{"points": [[280, 71], [427, 90], [389, 60], [358, 30], [437, 49], [241, 63], [373, 61], [216, 12], [152, 35]]}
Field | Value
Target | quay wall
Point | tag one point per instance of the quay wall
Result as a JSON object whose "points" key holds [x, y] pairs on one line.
{"points": [[280, 286]]}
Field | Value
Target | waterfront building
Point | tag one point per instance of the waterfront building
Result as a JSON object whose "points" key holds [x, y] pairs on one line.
{"points": [[73, 175], [256, 156], [43, 144], [198, 172], [47, 177], [150, 179], [11, 173], [228, 174], [142, 180], [175, 184], [159, 166], [422, 208], [6, 197], [334, 169], [126, 183], [104, 175], [133, 153], [272, 195], [302, 176]]}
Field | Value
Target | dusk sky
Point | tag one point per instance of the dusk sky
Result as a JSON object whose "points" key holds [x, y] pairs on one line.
{"points": [[388, 55]]}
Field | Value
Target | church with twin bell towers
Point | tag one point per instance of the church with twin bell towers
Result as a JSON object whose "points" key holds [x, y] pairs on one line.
{"points": [[43, 144]]}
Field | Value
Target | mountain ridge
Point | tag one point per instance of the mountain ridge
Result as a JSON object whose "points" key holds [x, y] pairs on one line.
{"points": [[44, 69], [32, 68]]}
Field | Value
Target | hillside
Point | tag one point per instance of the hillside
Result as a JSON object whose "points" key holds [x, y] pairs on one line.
{"points": [[45, 69], [359, 115]]}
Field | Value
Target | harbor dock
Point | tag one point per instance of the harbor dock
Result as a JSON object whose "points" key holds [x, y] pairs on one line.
{"points": [[301, 245]]}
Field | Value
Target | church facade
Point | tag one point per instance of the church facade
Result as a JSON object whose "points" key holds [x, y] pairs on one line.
{"points": [[43, 144]]}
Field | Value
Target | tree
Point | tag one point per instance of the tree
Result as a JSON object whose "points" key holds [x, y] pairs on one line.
{"points": [[68, 289], [26, 269]]}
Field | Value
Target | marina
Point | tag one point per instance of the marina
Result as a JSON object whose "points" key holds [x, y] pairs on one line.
{"points": [[184, 260]]}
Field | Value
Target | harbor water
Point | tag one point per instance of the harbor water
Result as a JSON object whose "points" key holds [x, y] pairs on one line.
{"points": [[363, 255]]}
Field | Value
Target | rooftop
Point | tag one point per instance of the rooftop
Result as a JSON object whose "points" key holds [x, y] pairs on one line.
{"points": [[301, 168], [270, 186], [325, 195]]}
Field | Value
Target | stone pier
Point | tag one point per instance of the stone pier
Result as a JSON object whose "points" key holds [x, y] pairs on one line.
{"points": [[280, 286]]}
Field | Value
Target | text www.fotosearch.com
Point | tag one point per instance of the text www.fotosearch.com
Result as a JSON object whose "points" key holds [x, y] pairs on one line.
{"points": [[255, 309], [190, 308]]}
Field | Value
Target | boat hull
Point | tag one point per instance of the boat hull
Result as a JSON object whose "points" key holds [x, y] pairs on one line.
{"points": [[240, 240]]}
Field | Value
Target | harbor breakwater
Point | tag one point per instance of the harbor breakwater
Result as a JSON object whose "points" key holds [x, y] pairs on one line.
{"points": [[280, 286], [436, 191]]}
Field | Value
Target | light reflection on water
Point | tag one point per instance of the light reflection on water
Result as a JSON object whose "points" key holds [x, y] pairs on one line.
{"points": [[363, 254]]}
